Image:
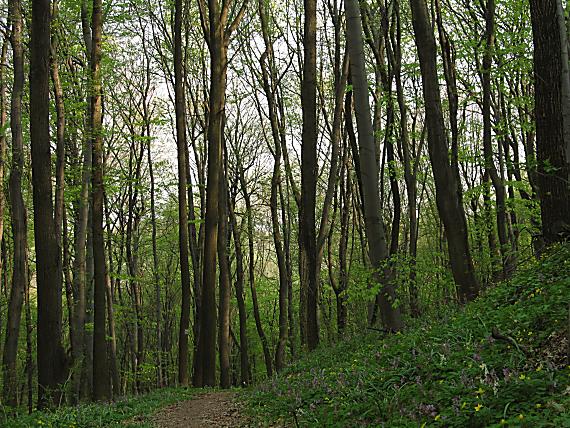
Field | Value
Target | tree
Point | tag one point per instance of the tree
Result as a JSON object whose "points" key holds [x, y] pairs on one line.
{"points": [[377, 246], [180, 110], [448, 198], [101, 384], [309, 173], [217, 32], [553, 153], [18, 212], [51, 355]]}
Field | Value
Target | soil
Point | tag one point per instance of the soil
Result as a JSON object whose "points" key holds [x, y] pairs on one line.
{"points": [[214, 409]]}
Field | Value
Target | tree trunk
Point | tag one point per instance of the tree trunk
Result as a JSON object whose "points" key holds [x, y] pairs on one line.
{"points": [[18, 213], [553, 164], [251, 270], [378, 249], [217, 37], [498, 184], [239, 285], [3, 120], [180, 111], [225, 289], [447, 188], [51, 356], [101, 384], [155, 273], [80, 243], [309, 172]]}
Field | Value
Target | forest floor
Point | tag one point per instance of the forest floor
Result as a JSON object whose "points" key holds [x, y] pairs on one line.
{"points": [[502, 360], [213, 409]]}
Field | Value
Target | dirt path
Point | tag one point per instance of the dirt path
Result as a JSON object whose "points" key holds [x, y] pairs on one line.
{"points": [[214, 409]]}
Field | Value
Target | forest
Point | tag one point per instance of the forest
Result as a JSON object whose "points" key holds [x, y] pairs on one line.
{"points": [[312, 213]]}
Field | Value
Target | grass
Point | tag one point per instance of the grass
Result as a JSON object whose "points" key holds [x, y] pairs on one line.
{"points": [[449, 371], [132, 411], [499, 361]]}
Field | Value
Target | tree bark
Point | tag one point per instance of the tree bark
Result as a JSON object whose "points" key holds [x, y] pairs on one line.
{"points": [[551, 147], [101, 384], [224, 282], [18, 212], [378, 249], [51, 356], [239, 286], [180, 111], [500, 193], [309, 172], [447, 188]]}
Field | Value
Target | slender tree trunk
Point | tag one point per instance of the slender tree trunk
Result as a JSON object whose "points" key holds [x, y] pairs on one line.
{"points": [[239, 285], [115, 377], [345, 195], [447, 188], [268, 79], [180, 107], [60, 146], [225, 289], [155, 273], [309, 172], [101, 384], [80, 241], [410, 168], [29, 349], [498, 184], [3, 120], [251, 274], [18, 213], [87, 372], [378, 249]]}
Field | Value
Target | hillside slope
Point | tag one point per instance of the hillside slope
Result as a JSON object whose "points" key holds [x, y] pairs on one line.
{"points": [[500, 361]]}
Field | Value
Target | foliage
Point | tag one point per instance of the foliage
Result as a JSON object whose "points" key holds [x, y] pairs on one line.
{"points": [[133, 411], [445, 371]]}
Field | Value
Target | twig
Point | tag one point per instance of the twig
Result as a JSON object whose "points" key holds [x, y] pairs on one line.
{"points": [[498, 336], [568, 339], [381, 330], [295, 418]]}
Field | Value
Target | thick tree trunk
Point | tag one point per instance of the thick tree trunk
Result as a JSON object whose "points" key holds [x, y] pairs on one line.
{"points": [[553, 165], [218, 62], [447, 188], [51, 356]]}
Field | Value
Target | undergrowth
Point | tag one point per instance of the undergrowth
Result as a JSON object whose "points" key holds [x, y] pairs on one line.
{"points": [[132, 411], [500, 361]]}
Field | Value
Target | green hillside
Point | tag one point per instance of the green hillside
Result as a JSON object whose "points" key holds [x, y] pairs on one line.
{"points": [[501, 360]]}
